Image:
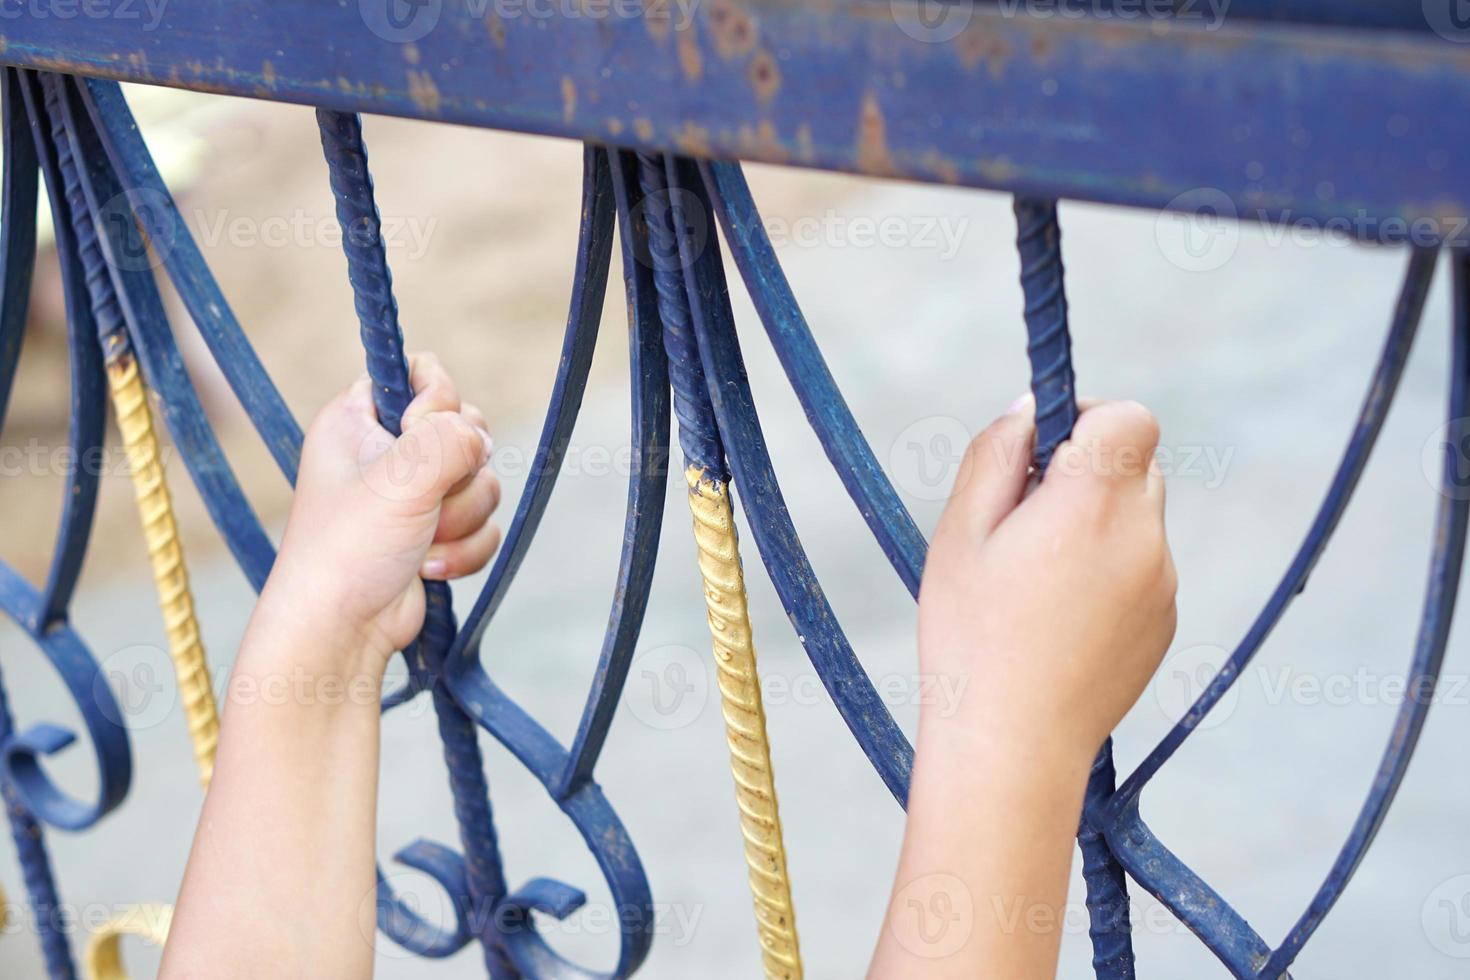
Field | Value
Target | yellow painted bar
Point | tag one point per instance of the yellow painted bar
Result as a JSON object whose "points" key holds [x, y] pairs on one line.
{"points": [[745, 724], [149, 922], [135, 420]]}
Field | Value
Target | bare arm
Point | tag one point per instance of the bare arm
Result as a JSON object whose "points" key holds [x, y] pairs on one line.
{"points": [[1054, 609], [280, 879]]}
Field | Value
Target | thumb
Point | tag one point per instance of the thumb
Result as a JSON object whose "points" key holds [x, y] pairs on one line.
{"points": [[435, 452], [995, 470]]}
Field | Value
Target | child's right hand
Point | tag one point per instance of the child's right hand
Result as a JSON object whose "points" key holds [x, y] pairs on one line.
{"points": [[1058, 606]]}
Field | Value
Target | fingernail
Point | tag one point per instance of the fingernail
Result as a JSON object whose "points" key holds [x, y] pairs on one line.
{"points": [[434, 568], [489, 445], [1019, 404]]}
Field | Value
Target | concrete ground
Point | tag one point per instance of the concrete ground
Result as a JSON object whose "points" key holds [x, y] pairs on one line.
{"points": [[1255, 367]]}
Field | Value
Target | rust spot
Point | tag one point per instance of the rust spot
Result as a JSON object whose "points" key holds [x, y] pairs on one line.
{"points": [[1041, 48], [733, 29], [805, 149], [615, 126], [872, 149], [411, 53], [765, 77], [763, 143], [644, 128], [693, 139], [690, 57], [568, 98], [999, 169], [495, 27], [268, 73], [942, 167], [656, 19], [423, 91], [980, 45]]}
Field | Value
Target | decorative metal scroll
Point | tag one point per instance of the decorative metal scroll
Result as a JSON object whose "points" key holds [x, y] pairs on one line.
{"points": [[686, 364]]}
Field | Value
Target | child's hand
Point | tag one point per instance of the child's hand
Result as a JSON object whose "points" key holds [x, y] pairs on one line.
{"points": [[1057, 607], [372, 513]]}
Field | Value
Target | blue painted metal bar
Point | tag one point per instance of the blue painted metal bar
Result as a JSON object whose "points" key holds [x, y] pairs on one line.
{"points": [[1049, 348], [825, 408], [775, 536], [382, 341], [1274, 115]]}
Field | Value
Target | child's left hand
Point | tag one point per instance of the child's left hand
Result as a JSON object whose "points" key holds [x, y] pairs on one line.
{"points": [[372, 513]]}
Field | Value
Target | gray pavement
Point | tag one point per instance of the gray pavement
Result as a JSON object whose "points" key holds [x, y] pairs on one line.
{"points": [[1255, 370]]}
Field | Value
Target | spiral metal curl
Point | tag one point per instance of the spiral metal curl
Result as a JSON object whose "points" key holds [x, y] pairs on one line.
{"points": [[149, 922], [1049, 347], [382, 341]]}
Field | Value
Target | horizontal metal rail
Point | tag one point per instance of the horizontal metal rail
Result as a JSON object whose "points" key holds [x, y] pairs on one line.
{"points": [[1257, 109]]}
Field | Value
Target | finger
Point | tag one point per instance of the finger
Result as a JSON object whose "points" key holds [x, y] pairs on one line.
{"points": [[433, 388], [475, 416], [1111, 440], [465, 510], [456, 559], [994, 471], [434, 453]]}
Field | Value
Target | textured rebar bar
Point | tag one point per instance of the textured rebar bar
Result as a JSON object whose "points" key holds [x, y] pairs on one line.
{"points": [[724, 582], [1049, 347], [382, 341], [166, 555], [745, 724]]}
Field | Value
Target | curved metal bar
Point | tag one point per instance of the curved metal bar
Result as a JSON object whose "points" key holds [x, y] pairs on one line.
{"points": [[382, 341], [820, 634], [149, 922], [87, 418], [649, 390], [1376, 402], [153, 343], [19, 184], [148, 199], [101, 716], [1222, 930], [401, 922], [826, 410], [17, 260], [567, 775], [1049, 347], [1439, 608]]}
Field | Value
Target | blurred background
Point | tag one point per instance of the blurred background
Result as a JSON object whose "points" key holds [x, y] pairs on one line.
{"points": [[1253, 345]]}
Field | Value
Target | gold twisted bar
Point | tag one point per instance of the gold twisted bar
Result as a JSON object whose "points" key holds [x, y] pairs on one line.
{"points": [[149, 922], [745, 724], [135, 420]]}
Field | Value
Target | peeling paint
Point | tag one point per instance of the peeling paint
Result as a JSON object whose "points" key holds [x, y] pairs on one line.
{"points": [[693, 139], [268, 73], [495, 27], [733, 29], [691, 59], [411, 53], [423, 91], [806, 150], [763, 142], [765, 77], [980, 44], [568, 98], [872, 148], [644, 128]]}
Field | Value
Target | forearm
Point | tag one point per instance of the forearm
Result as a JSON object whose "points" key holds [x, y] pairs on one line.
{"points": [[982, 882], [280, 880]]}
